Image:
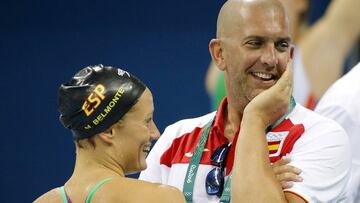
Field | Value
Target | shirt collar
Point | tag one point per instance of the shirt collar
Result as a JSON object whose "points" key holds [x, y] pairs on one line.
{"points": [[218, 126], [219, 118]]}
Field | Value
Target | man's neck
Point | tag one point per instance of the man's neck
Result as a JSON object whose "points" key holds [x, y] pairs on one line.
{"points": [[232, 120]]}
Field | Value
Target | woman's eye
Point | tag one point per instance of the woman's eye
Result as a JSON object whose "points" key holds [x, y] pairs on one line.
{"points": [[147, 121]]}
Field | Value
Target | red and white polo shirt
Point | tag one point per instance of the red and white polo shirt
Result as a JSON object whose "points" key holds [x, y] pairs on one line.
{"points": [[318, 146]]}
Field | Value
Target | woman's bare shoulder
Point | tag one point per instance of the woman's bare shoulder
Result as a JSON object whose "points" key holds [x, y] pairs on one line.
{"points": [[53, 196], [133, 190]]}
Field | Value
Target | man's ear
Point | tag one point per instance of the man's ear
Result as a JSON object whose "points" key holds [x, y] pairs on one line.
{"points": [[216, 52], [107, 136]]}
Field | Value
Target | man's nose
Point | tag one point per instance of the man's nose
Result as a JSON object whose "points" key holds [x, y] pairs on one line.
{"points": [[269, 56]]}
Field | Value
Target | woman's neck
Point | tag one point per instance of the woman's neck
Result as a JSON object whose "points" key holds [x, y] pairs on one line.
{"points": [[93, 162]]}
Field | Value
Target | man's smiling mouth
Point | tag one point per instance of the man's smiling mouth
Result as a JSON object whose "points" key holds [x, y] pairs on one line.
{"points": [[263, 76]]}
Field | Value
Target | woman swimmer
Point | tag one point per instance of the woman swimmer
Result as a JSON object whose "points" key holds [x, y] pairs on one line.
{"points": [[110, 114]]}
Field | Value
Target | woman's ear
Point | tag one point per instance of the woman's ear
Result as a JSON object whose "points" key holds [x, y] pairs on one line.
{"points": [[216, 52], [107, 136]]}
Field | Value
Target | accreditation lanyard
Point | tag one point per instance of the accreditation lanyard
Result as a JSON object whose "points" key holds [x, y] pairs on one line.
{"points": [[195, 160], [194, 164]]}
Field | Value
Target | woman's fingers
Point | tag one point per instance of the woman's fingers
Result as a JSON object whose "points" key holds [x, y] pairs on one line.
{"points": [[286, 185], [286, 169], [286, 174], [283, 161], [289, 176]]}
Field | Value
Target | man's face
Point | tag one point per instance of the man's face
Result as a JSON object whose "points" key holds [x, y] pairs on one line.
{"points": [[256, 52]]}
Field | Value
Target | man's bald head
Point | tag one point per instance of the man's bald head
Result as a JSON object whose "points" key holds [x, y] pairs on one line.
{"points": [[231, 15]]}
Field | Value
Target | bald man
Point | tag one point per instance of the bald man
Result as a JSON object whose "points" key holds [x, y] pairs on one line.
{"points": [[201, 155], [314, 54]]}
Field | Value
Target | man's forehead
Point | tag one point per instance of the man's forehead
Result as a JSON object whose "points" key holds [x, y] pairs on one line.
{"points": [[266, 23], [273, 28], [268, 38]]}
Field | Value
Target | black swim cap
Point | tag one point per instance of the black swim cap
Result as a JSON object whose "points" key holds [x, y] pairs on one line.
{"points": [[96, 98]]}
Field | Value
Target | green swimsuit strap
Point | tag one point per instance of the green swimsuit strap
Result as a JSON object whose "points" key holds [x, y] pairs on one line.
{"points": [[63, 194], [92, 192]]}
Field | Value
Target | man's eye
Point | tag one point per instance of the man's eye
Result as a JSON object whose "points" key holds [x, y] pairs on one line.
{"points": [[282, 45], [254, 43]]}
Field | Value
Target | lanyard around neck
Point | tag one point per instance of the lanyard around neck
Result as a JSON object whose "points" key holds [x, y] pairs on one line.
{"points": [[194, 164], [189, 181]]}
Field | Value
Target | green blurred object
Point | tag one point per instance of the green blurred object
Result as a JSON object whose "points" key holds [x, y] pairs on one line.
{"points": [[220, 91]]}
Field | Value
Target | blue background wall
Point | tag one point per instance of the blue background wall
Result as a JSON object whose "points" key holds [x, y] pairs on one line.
{"points": [[43, 43]]}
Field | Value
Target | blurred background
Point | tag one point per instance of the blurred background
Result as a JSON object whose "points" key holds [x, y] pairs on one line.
{"points": [[43, 43]]}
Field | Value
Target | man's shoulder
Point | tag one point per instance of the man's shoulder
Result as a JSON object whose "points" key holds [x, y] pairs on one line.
{"points": [[311, 119], [188, 125], [183, 131]]}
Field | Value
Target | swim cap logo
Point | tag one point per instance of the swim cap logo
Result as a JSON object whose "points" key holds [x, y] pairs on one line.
{"points": [[100, 117], [122, 72], [94, 100]]}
